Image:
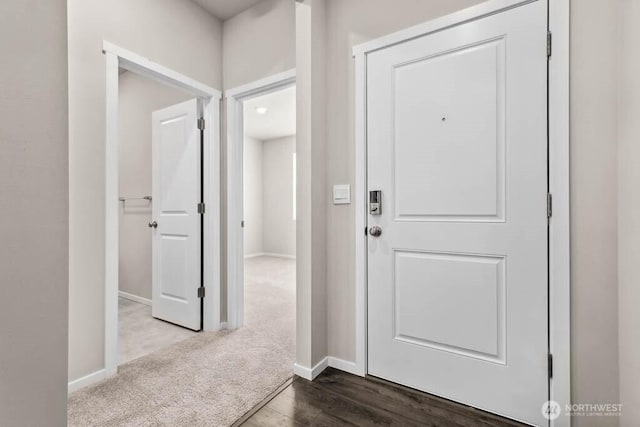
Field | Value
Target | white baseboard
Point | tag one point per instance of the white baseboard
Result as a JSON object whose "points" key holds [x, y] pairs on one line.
{"points": [[86, 380], [271, 254], [253, 255], [135, 298], [329, 361], [345, 366], [311, 373]]}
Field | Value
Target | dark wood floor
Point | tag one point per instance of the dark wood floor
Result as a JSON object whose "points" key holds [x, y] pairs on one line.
{"points": [[336, 398]]}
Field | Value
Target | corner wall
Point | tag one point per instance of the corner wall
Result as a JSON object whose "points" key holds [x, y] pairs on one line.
{"points": [[34, 192], [311, 153]]}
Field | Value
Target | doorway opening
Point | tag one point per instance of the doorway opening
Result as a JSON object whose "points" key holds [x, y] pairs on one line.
{"points": [[162, 204], [250, 103], [269, 212], [149, 263]]}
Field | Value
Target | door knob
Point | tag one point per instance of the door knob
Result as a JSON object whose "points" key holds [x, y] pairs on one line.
{"points": [[375, 231], [153, 224]]}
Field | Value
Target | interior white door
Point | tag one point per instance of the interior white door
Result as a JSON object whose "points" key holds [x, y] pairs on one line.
{"points": [[457, 145], [177, 224]]}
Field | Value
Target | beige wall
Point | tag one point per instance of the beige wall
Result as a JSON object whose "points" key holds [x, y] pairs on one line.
{"points": [[594, 175], [34, 193], [253, 196], [177, 34], [279, 232], [268, 196], [259, 42], [139, 97], [628, 211]]}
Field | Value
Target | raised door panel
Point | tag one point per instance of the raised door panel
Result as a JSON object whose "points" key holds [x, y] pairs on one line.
{"points": [[449, 156], [451, 302]]}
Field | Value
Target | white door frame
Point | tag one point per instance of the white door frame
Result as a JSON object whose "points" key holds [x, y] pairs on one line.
{"points": [[559, 238], [116, 58], [235, 140]]}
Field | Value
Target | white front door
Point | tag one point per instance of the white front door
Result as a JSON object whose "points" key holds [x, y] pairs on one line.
{"points": [[176, 223], [457, 279]]}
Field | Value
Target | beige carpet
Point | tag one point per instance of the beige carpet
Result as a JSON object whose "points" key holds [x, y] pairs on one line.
{"points": [[140, 334], [211, 379]]}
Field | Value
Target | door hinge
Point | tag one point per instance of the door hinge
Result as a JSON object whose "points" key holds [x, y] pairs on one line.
{"points": [[241, 224], [201, 292], [201, 208], [549, 206], [550, 365], [548, 44], [365, 231], [201, 123]]}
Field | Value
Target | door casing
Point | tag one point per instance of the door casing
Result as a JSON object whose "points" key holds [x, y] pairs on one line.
{"points": [[558, 150], [117, 58], [235, 153]]}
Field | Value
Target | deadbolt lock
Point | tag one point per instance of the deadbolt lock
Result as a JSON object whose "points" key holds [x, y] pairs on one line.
{"points": [[375, 202]]}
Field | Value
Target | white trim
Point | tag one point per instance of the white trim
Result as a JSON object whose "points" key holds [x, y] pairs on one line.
{"points": [[134, 298], [256, 255], [343, 365], [85, 381], [271, 254], [141, 65], [116, 58], [274, 255], [311, 373], [560, 255], [360, 196], [329, 361], [235, 241], [559, 186], [111, 218], [263, 86], [463, 16], [212, 227]]}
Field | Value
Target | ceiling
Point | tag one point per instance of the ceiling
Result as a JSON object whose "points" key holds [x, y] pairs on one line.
{"points": [[280, 119], [225, 9]]}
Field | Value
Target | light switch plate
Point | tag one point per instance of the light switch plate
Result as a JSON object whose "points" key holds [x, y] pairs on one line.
{"points": [[342, 194]]}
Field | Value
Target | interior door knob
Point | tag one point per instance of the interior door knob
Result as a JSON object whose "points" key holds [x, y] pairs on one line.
{"points": [[153, 224], [375, 231]]}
